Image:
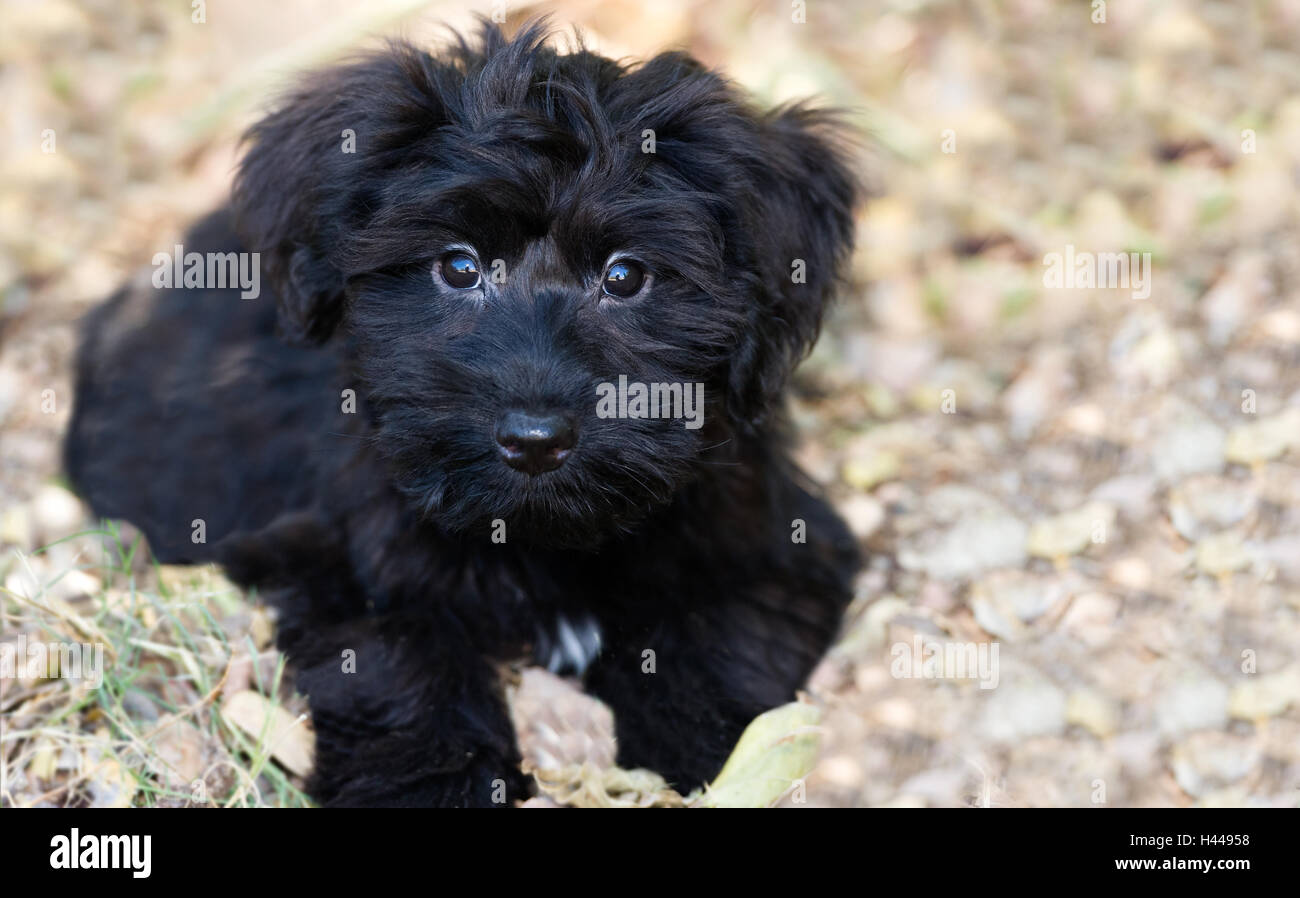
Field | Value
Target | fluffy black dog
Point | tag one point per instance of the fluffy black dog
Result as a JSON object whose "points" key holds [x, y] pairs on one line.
{"points": [[403, 448]]}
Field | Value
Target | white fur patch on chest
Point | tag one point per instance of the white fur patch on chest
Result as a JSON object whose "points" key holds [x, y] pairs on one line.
{"points": [[571, 645]]}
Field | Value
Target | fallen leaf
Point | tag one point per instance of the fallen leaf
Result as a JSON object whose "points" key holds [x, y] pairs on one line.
{"points": [[289, 739], [777, 749]]}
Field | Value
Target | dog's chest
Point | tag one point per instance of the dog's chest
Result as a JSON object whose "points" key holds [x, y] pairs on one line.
{"points": [[566, 644]]}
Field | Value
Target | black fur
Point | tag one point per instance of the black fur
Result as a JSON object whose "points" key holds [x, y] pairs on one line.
{"points": [[372, 531]]}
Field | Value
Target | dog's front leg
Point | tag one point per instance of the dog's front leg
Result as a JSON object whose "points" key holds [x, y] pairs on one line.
{"points": [[684, 685], [406, 711], [406, 714]]}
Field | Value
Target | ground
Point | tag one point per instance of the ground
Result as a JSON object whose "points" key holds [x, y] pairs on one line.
{"points": [[1102, 483]]}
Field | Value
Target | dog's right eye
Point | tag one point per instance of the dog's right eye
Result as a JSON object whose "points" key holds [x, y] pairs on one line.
{"points": [[460, 270]]}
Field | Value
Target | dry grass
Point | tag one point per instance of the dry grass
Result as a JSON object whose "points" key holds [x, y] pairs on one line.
{"points": [[179, 643]]}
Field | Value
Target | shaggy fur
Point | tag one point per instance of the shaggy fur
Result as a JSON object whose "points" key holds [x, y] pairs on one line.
{"points": [[660, 556]]}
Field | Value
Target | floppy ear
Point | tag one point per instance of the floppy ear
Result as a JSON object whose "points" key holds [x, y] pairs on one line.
{"points": [[801, 231], [314, 166]]}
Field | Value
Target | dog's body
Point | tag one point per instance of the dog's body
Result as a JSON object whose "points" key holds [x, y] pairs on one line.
{"points": [[355, 471]]}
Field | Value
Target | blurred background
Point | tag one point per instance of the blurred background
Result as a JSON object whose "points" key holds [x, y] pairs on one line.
{"points": [[1106, 486]]}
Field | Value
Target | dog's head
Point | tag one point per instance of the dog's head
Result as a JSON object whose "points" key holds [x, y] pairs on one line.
{"points": [[541, 262]]}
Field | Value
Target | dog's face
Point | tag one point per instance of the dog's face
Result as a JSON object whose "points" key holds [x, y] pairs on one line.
{"points": [[518, 244]]}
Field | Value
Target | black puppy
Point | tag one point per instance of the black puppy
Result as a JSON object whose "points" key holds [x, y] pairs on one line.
{"points": [[517, 394]]}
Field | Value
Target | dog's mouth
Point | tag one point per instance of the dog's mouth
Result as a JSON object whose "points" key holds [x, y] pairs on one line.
{"points": [[573, 505], [539, 477]]}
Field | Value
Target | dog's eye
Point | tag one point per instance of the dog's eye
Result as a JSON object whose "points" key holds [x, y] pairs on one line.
{"points": [[460, 270], [624, 279]]}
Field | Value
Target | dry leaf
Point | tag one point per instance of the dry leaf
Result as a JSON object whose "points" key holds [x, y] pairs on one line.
{"points": [[289, 739], [777, 749]]}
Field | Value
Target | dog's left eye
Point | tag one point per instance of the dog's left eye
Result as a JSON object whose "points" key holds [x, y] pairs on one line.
{"points": [[624, 279], [460, 270]]}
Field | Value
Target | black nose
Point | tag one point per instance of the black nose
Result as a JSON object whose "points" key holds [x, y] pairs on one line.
{"points": [[534, 444]]}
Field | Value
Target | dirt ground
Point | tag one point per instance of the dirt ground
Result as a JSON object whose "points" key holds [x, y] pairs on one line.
{"points": [[1099, 485]]}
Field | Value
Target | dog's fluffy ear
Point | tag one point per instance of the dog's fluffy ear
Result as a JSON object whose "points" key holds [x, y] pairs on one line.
{"points": [[802, 229], [313, 165]]}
